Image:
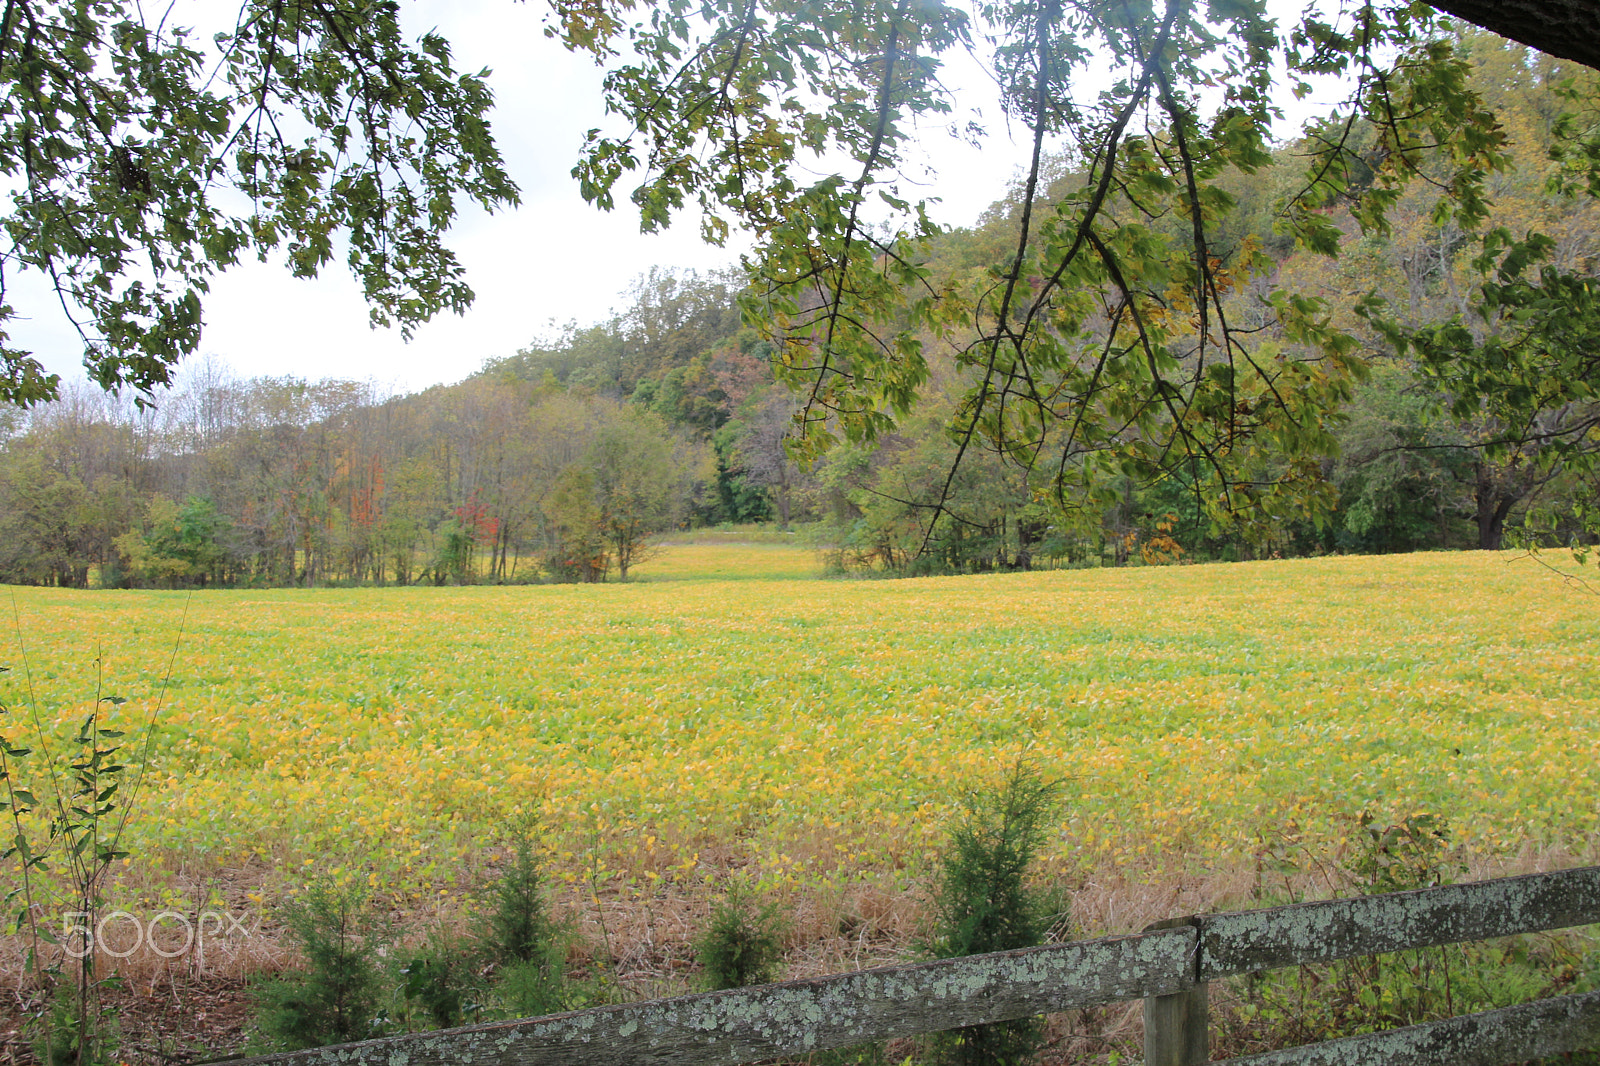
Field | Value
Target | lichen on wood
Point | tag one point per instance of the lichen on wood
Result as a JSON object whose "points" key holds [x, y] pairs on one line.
{"points": [[1245, 941], [795, 1017], [1534, 1030]]}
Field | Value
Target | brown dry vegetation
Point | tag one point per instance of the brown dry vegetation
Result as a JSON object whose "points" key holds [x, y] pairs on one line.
{"points": [[196, 1005]]}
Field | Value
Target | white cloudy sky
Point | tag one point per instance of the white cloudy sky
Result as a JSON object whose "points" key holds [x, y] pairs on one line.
{"points": [[552, 260]]}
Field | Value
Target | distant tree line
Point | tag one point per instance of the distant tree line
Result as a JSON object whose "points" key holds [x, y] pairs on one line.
{"points": [[281, 482]]}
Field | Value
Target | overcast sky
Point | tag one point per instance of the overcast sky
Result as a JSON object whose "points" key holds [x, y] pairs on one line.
{"points": [[552, 260]]}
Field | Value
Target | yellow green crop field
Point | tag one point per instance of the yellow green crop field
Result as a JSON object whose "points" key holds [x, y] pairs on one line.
{"points": [[728, 709]]}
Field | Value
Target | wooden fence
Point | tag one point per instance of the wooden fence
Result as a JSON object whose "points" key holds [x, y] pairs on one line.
{"points": [[1168, 966]]}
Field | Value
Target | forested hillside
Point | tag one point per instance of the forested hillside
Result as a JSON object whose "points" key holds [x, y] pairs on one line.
{"points": [[555, 464], [1469, 417], [562, 461]]}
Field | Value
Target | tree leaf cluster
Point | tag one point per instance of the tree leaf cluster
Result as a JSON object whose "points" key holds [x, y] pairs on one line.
{"points": [[1119, 332], [143, 159]]}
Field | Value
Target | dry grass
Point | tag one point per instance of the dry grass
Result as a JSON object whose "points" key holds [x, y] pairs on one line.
{"points": [[195, 1004]]}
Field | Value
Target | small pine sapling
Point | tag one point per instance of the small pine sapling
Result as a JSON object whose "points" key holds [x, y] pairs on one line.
{"points": [[335, 1000], [743, 944], [984, 903], [69, 1035], [523, 941]]}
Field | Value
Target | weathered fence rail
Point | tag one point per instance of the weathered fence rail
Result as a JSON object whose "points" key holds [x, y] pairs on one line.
{"points": [[1167, 966]]}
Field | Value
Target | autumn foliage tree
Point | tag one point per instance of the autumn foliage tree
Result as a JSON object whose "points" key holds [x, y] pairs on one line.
{"points": [[1124, 327], [304, 484]]}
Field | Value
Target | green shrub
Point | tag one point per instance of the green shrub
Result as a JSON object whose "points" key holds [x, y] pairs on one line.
{"points": [[520, 928], [532, 988], [336, 998], [439, 979], [1407, 854], [1310, 1004], [70, 1035], [984, 904], [742, 945]]}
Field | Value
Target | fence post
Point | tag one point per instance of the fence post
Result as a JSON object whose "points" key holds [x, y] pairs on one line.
{"points": [[1177, 1027]]}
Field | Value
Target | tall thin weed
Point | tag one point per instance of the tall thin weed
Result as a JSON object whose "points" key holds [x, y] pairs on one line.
{"points": [[65, 845]]}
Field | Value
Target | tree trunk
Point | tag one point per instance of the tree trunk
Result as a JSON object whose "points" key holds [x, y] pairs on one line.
{"points": [[1493, 507]]}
